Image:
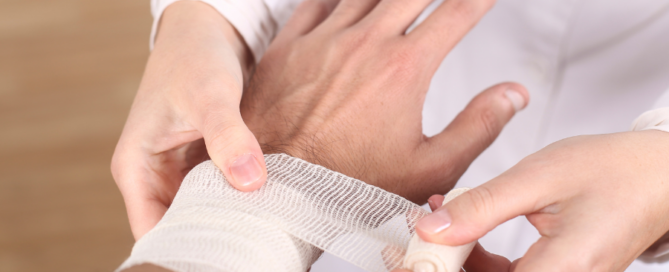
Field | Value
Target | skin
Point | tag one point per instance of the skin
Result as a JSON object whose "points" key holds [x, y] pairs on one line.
{"points": [[308, 99], [307, 96], [329, 85], [598, 201], [186, 111]]}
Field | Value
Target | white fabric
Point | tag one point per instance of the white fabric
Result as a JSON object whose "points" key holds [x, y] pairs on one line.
{"points": [[591, 67], [423, 256], [657, 119], [211, 226], [257, 21]]}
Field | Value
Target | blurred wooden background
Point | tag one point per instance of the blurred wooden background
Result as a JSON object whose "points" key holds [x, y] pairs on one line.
{"points": [[68, 73]]}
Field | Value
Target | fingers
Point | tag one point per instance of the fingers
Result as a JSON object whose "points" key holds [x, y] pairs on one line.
{"points": [[475, 128], [444, 28], [347, 13], [471, 215], [145, 203], [394, 16], [234, 149], [435, 201], [306, 17], [481, 260], [144, 215]]}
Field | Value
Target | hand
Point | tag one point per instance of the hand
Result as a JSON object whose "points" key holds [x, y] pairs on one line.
{"points": [[191, 89], [346, 91], [479, 259], [598, 202]]}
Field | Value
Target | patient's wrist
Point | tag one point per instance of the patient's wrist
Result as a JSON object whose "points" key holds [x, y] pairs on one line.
{"points": [[312, 149]]}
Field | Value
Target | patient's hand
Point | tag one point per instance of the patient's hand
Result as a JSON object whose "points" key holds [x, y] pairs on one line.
{"points": [[347, 93]]}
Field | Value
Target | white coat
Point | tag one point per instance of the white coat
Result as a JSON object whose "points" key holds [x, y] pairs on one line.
{"points": [[591, 67]]}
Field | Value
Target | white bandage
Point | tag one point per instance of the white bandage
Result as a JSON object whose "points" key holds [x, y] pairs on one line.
{"points": [[428, 257], [302, 209]]}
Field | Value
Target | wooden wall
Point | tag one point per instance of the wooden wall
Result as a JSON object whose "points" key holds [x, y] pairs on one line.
{"points": [[68, 72]]}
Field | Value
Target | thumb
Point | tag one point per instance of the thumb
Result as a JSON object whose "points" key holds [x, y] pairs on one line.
{"points": [[477, 126], [476, 212], [235, 150]]}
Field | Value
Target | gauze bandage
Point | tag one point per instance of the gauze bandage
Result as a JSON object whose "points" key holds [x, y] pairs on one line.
{"points": [[302, 209], [428, 257]]}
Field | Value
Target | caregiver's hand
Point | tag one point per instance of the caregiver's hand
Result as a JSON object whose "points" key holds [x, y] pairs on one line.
{"points": [[348, 93], [598, 202], [191, 89]]}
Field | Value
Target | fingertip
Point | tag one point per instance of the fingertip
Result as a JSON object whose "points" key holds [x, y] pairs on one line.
{"points": [[432, 227], [247, 172], [435, 201], [439, 229], [517, 95], [452, 224], [236, 152]]}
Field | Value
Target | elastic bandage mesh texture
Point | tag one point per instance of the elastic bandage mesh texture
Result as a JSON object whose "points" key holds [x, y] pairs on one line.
{"points": [[302, 208]]}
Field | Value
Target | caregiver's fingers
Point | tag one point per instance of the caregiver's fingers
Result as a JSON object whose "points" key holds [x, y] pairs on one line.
{"points": [[476, 212], [480, 260], [475, 128], [144, 215], [444, 28], [129, 169], [234, 149], [306, 17]]}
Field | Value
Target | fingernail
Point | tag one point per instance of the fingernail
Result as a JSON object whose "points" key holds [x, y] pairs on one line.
{"points": [[246, 170], [517, 100], [432, 204], [435, 222]]}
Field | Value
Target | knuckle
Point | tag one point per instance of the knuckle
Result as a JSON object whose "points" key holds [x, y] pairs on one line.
{"points": [[403, 64], [220, 136], [490, 126], [482, 200], [357, 39], [404, 59]]}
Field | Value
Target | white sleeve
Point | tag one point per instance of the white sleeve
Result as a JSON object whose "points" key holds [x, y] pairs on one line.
{"points": [[657, 118], [258, 21]]}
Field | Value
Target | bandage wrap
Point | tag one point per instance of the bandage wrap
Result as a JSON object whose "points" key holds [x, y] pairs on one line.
{"points": [[284, 226], [428, 257]]}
